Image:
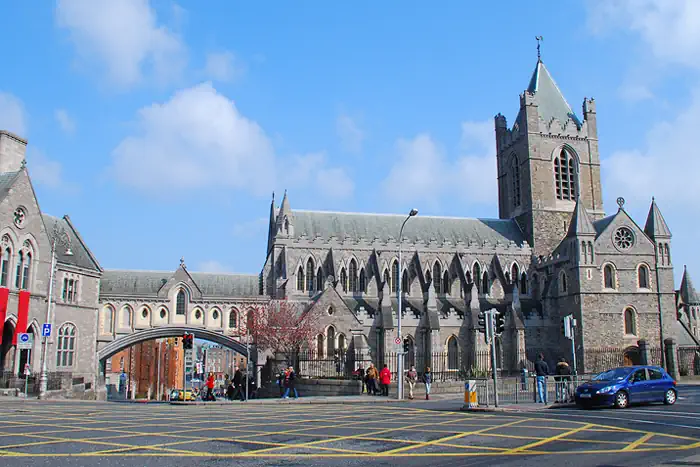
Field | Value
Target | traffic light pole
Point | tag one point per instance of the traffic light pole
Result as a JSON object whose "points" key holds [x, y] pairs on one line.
{"points": [[572, 324], [491, 332]]}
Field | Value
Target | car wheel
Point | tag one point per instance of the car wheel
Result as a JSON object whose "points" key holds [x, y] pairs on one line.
{"points": [[670, 397], [621, 400]]}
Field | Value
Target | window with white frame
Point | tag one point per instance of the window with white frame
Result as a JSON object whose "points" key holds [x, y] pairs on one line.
{"points": [[565, 175], [69, 291], [65, 348]]}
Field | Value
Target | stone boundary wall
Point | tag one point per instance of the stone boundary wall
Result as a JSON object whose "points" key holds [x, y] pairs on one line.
{"points": [[331, 387]]}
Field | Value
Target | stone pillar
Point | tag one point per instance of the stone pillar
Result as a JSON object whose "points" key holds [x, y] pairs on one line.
{"points": [[672, 358], [643, 352]]}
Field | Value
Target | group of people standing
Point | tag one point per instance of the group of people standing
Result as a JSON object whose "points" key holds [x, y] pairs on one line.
{"points": [[286, 380], [377, 382], [562, 380]]}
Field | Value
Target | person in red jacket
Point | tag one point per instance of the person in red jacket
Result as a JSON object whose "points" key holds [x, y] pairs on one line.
{"points": [[210, 387], [385, 380]]}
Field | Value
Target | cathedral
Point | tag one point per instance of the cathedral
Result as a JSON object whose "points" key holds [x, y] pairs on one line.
{"points": [[553, 251]]}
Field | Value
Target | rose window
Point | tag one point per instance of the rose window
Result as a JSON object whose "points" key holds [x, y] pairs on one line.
{"points": [[624, 238]]}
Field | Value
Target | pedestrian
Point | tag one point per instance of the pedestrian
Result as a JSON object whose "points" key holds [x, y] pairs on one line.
{"points": [[562, 377], [428, 381], [290, 384], [239, 389], [360, 372], [210, 388], [542, 371], [280, 381], [372, 376], [411, 378], [385, 380]]}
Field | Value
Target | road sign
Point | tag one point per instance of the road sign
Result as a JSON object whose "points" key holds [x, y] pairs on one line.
{"points": [[25, 341], [397, 341], [46, 330]]}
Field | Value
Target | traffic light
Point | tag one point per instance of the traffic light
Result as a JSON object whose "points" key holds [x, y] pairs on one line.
{"points": [[187, 341], [482, 322], [406, 345], [500, 324], [567, 326]]}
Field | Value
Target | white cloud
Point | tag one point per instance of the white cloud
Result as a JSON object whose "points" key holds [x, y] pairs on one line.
{"points": [[635, 92], [423, 172], [223, 66], [12, 115], [198, 139], [312, 170], [124, 36], [251, 229], [212, 266], [671, 29], [47, 172], [65, 121], [350, 134]]}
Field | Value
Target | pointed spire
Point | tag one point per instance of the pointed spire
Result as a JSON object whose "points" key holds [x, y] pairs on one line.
{"points": [[688, 293], [550, 100], [284, 208], [581, 223], [656, 226], [271, 228]]}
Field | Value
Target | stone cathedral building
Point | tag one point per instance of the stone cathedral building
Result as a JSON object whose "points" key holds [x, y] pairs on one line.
{"points": [[553, 251]]}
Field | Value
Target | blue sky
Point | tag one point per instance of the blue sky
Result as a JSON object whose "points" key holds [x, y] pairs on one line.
{"points": [[162, 128]]}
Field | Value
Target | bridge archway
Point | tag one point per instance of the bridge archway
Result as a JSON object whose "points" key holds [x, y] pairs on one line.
{"points": [[171, 331]]}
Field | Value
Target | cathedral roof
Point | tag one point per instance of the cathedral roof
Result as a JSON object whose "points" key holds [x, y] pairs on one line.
{"points": [[656, 225], [581, 223], [385, 228], [6, 181], [601, 224], [140, 283], [688, 293], [550, 100], [82, 257]]}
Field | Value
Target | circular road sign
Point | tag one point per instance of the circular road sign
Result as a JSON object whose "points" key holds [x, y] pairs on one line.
{"points": [[397, 341]]}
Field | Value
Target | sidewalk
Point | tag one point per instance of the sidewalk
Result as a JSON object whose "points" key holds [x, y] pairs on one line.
{"points": [[326, 400]]}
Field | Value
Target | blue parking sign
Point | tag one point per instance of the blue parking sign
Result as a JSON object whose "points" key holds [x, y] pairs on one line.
{"points": [[46, 330]]}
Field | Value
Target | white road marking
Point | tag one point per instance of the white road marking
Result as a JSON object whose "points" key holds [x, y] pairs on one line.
{"points": [[675, 425]]}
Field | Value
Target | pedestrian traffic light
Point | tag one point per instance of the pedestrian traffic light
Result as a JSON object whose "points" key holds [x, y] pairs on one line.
{"points": [[187, 341], [500, 324], [482, 322], [406, 345]]}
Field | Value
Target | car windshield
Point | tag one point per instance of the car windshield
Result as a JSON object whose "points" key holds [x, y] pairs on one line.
{"points": [[617, 374]]}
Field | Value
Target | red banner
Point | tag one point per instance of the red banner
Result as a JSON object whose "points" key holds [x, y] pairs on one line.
{"points": [[4, 296], [22, 314]]}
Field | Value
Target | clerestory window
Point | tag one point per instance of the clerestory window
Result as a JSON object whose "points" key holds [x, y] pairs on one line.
{"points": [[565, 175]]}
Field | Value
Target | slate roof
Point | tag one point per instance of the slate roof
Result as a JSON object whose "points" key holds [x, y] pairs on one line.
{"points": [[602, 224], [385, 227], [581, 223], [656, 225], [82, 257], [688, 292], [550, 101], [140, 283], [6, 181]]}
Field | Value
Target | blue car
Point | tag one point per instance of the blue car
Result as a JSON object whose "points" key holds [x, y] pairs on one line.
{"points": [[620, 387]]}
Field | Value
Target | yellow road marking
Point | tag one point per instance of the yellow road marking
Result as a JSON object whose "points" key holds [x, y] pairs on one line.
{"points": [[551, 438], [638, 442]]}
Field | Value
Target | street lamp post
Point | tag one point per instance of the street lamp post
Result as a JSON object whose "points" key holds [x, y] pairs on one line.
{"points": [[399, 372], [59, 237]]}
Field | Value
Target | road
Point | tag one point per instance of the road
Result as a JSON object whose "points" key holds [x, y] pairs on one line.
{"points": [[415, 434]]}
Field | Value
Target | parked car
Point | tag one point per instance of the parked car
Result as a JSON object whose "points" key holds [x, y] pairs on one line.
{"points": [[620, 387], [180, 395]]}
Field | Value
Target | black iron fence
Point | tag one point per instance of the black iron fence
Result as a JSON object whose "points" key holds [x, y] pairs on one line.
{"points": [[56, 381], [689, 361]]}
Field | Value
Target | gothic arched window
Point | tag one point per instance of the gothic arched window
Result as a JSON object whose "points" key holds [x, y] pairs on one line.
{"points": [[609, 277], [65, 348], [352, 269], [437, 276], [643, 276], [630, 322], [445, 283], [515, 171], [180, 302], [523, 283], [514, 274], [233, 319], [319, 345], [26, 270], [476, 275], [452, 353], [330, 341], [5, 267], [394, 276], [319, 279], [125, 319], [563, 286], [565, 175], [363, 281], [20, 267], [310, 275], [344, 280], [404, 282], [485, 286], [107, 319], [387, 280], [300, 279]]}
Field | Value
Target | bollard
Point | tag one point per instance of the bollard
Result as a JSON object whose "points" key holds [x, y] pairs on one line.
{"points": [[470, 398]]}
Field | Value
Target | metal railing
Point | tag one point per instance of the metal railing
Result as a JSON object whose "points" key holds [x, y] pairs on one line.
{"points": [[520, 390]]}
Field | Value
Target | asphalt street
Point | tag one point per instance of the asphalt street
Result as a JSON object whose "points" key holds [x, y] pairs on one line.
{"points": [[416, 434]]}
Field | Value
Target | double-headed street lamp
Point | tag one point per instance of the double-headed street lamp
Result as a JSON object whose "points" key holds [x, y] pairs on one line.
{"points": [[399, 376], [59, 238]]}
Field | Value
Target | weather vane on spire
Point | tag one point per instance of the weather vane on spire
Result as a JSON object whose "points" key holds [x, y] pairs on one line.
{"points": [[538, 39]]}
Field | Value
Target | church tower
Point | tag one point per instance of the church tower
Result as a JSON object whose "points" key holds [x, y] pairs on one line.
{"points": [[546, 162]]}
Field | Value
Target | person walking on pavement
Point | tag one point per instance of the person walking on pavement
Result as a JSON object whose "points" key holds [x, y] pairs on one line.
{"points": [[562, 377], [239, 390], [427, 380], [411, 378], [385, 379], [210, 388], [362, 377], [542, 371], [290, 384], [372, 376]]}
